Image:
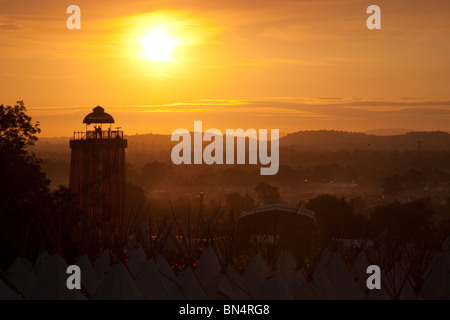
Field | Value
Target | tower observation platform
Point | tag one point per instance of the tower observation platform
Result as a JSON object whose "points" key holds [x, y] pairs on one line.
{"points": [[97, 177]]}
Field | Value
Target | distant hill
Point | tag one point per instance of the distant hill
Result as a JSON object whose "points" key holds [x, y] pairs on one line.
{"points": [[388, 132], [337, 140], [61, 144], [322, 140]]}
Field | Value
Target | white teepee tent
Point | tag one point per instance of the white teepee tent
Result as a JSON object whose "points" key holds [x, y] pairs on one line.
{"points": [[296, 282], [306, 292], [255, 274], [136, 260], [52, 282], [208, 267], [323, 287], [166, 271], [286, 266], [360, 265], [41, 262], [149, 281], [237, 280], [342, 280], [186, 287], [437, 277], [101, 265], [89, 279], [118, 284], [22, 275], [273, 288]]}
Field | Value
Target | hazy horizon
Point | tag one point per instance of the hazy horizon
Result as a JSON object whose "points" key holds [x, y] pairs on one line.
{"points": [[289, 116], [381, 132]]}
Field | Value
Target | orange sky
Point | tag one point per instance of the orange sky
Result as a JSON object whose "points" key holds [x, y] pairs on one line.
{"points": [[292, 65]]}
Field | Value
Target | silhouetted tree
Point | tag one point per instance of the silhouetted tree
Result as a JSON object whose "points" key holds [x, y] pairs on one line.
{"points": [[238, 203], [58, 219], [392, 185], [231, 176], [22, 183], [286, 175], [135, 196], [414, 179], [404, 222], [155, 172], [31, 217], [16, 128], [326, 173], [333, 215], [267, 194]]}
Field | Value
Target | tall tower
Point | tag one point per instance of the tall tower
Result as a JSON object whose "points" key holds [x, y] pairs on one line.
{"points": [[97, 177]]}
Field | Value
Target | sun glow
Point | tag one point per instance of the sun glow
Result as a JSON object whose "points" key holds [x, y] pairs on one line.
{"points": [[158, 44]]}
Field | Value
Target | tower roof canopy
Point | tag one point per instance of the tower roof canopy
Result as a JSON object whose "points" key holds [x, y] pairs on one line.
{"points": [[98, 116]]}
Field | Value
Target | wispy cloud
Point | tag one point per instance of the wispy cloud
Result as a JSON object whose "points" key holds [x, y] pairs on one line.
{"points": [[9, 27], [289, 114], [333, 108]]}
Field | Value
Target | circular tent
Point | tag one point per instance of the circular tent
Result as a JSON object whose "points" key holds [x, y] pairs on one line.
{"points": [[284, 225]]}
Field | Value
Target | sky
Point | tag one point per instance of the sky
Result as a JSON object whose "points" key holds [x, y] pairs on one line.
{"points": [[288, 65]]}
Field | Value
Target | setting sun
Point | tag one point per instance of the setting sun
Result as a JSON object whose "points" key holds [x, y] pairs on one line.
{"points": [[158, 44]]}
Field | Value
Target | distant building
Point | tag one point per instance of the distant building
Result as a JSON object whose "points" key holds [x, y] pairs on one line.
{"points": [[97, 177]]}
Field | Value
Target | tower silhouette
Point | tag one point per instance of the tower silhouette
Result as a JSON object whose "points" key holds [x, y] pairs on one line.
{"points": [[97, 177]]}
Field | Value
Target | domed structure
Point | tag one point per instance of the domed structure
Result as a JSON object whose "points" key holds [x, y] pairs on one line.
{"points": [[98, 116]]}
